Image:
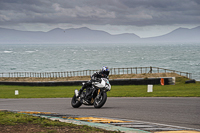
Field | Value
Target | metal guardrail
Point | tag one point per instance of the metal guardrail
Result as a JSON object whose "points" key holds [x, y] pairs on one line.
{"points": [[113, 71]]}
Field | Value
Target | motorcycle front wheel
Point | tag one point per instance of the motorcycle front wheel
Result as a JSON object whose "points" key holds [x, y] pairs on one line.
{"points": [[75, 103], [100, 101]]}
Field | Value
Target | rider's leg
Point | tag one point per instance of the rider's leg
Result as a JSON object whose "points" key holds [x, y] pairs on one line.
{"points": [[83, 87], [81, 90]]}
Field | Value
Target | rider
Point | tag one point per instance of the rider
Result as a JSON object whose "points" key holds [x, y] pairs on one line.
{"points": [[104, 73]]}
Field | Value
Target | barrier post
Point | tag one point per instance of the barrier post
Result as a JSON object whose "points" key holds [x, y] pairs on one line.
{"points": [[16, 92], [150, 88]]}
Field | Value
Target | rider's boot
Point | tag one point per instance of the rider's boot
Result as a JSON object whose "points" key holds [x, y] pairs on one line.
{"points": [[76, 93]]}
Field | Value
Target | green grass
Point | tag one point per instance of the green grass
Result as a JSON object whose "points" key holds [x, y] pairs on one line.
{"points": [[158, 91], [15, 121], [10, 118], [179, 90], [7, 91]]}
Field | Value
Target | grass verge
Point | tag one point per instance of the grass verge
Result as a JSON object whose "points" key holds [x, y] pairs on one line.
{"points": [[23, 123], [179, 90]]}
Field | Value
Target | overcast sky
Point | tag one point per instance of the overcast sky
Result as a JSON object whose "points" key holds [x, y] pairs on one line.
{"points": [[145, 18]]}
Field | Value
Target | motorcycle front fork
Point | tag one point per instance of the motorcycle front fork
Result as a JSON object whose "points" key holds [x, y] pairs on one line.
{"points": [[92, 100], [98, 93]]}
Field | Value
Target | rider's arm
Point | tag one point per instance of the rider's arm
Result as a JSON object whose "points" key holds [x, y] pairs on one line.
{"points": [[95, 77]]}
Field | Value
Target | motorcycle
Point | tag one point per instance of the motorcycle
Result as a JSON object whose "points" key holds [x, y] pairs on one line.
{"points": [[93, 95]]}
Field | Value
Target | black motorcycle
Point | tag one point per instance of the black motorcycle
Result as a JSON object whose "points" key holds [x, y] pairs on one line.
{"points": [[93, 95]]}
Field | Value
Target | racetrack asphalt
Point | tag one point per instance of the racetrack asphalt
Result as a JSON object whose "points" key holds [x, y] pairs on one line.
{"points": [[176, 111]]}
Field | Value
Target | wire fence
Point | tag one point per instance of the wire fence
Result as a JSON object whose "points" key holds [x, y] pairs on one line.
{"points": [[113, 71]]}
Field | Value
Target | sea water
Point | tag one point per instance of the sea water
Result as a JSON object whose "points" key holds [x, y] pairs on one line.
{"points": [[73, 57]]}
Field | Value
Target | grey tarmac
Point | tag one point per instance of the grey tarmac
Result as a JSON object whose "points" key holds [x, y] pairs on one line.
{"points": [[176, 111]]}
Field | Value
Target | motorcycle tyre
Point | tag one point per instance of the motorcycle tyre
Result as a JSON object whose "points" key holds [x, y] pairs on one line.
{"points": [[74, 103], [103, 101]]}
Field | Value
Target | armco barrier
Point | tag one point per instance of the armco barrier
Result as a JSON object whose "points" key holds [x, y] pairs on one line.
{"points": [[153, 81]]}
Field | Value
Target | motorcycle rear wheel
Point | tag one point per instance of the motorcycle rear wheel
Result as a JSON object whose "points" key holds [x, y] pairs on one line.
{"points": [[99, 102], [75, 103]]}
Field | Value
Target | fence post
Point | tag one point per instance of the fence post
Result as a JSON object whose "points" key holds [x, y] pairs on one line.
{"points": [[136, 70]]}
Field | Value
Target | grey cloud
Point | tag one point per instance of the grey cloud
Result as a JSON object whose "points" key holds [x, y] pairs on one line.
{"points": [[113, 12]]}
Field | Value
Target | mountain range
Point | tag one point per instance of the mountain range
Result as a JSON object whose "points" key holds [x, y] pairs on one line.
{"points": [[86, 35]]}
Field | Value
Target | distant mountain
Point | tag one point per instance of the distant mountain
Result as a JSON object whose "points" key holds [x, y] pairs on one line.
{"points": [[79, 35], [178, 35], [86, 35]]}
